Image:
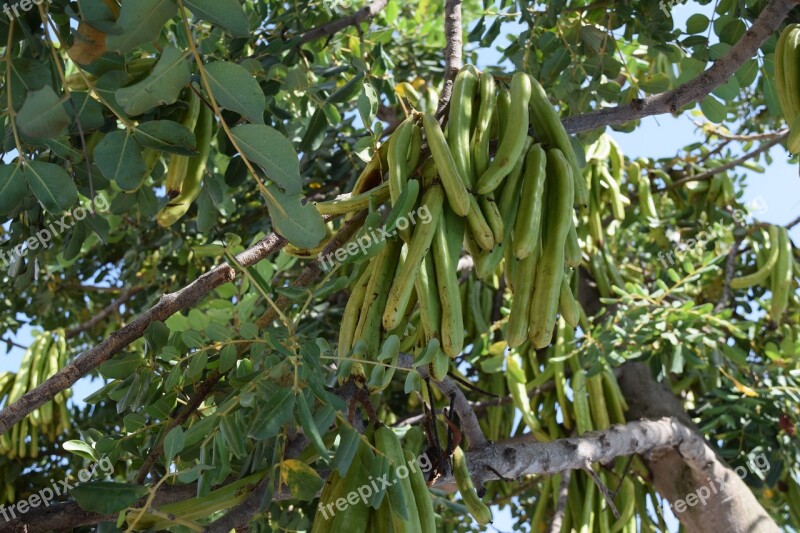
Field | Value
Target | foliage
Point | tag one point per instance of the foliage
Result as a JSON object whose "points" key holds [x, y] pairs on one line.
{"points": [[101, 114]]}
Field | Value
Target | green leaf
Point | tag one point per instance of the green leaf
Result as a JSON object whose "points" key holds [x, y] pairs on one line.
{"points": [[167, 136], [161, 87], [225, 13], [140, 22], [120, 367], [697, 23], [367, 105], [52, 186], [654, 84], [107, 497], [315, 132], [237, 90], [119, 158], [197, 365], [12, 187], [227, 357], [81, 449], [173, 443], [217, 332], [348, 445], [275, 412], [43, 114], [273, 152], [303, 482], [300, 224], [347, 91], [713, 109]]}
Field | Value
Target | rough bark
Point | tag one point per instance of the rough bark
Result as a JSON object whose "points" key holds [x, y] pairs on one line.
{"points": [[731, 505]]}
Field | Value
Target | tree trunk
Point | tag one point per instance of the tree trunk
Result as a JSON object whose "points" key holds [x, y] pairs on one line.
{"points": [[712, 498]]}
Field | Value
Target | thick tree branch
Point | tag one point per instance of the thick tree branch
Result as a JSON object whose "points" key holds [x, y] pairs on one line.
{"points": [[328, 29], [523, 456], [695, 90], [676, 475], [452, 52], [68, 515], [729, 165], [511, 459]]}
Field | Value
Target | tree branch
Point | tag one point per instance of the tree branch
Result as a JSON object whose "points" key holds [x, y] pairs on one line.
{"points": [[197, 399], [729, 165], [695, 90], [328, 29], [510, 459], [730, 268], [452, 52], [675, 472], [103, 314], [523, 456], [469, 421], [168, 305], [561, 506]]}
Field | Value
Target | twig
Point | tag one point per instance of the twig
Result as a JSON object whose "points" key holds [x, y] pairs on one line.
{"points": [[168, 305], [452, 52], [730, 267], [470, 425], [602, 487], [14, 344], [695, 90], [328, 29], [471, 386], [561, 506], [729, 165], [793, 223], [241, 514], [103, 314], [313, 270], [711, 128], [200, 395]]}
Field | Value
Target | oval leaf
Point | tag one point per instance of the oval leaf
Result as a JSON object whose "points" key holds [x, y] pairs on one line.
{"points": [[167, 136], [269, 149], [236, 90], [81, 449], [119, 158], [161, 87], [225, 13], [12, 187], [300, 224], [43, 114], [173, 443], [106, 497], [52, 186], [140, 22]]}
